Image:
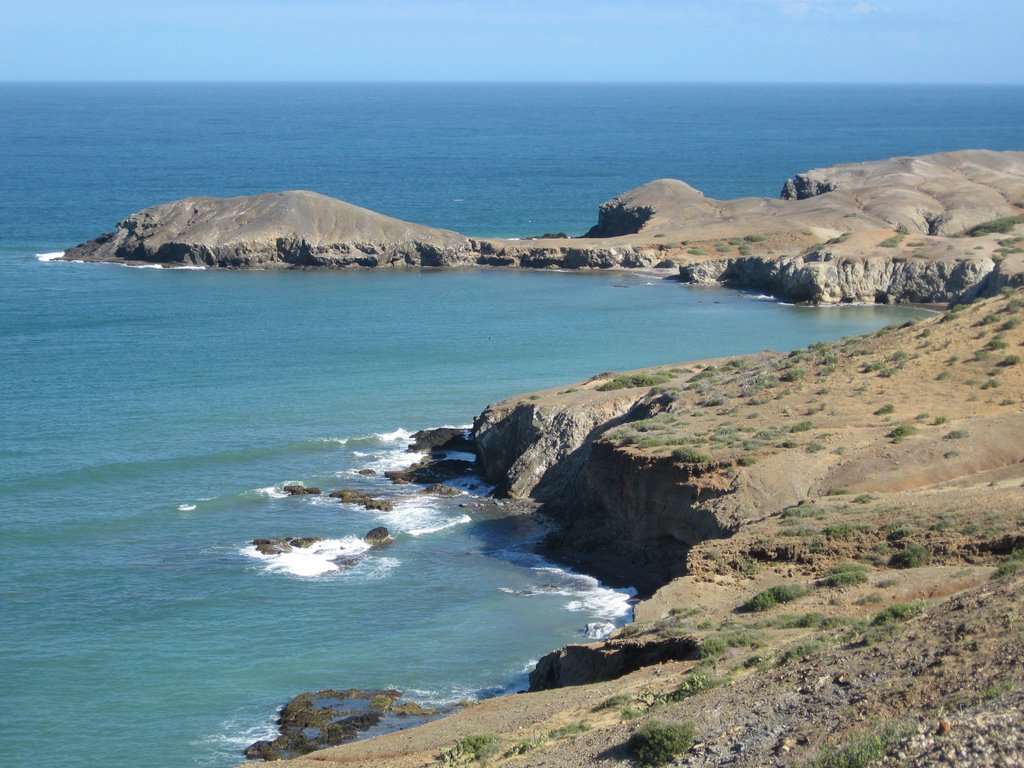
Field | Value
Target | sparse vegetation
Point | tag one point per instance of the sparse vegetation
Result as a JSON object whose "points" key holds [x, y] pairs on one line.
{"points": [[845, 575], [769, 598], [911, 556], [475, 747], [631, 380], [658, 742]]}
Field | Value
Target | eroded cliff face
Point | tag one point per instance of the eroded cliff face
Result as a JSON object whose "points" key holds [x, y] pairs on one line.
{"points": [[823, 277], [536, 449], [626, 516]]}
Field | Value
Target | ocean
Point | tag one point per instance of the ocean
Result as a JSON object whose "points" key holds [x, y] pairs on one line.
{"points": [[150, 418]]}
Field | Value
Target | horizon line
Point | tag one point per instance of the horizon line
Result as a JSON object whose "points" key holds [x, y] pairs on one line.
{"points": [[283, 81]]}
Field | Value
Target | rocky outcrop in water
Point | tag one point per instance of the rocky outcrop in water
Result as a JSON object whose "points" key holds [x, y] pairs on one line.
{"points": [[318, 719]]}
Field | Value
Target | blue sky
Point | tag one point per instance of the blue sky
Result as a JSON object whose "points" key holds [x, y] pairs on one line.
{"points": [[914, 41]]}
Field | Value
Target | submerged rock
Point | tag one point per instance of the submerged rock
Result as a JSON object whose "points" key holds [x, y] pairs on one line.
{"points": [[301, 490], [364, 499]]}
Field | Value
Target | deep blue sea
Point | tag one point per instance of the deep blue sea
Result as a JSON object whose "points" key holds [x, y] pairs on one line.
{"points": [[149, 418]]}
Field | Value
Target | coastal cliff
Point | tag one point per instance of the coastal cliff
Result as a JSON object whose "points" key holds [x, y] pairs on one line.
{"points": [[830, 543], [921, 229]]}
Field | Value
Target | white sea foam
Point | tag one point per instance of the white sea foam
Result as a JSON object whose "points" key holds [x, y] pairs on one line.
{"points": [[460, 520], [194, 267], [50, 256], [398, 434], [375, 568], [235, 735], [316, 560], [587, 594], [274, 491], [598, 630], [186, 507]]}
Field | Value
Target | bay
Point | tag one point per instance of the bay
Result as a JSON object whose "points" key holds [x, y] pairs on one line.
{"points": [[150, 418]]}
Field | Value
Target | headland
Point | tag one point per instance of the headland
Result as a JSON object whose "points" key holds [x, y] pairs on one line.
{"points": [[912, 229]]}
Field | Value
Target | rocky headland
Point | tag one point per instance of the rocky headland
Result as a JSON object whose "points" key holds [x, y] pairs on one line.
{"points": [[830, 544], [912, 229]]}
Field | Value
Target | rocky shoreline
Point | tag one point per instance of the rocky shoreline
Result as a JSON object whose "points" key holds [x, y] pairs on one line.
{"points": [[844, 479], [921, 229]]}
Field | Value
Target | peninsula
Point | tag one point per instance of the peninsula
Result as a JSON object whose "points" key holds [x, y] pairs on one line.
{"points": [[912, 229]]}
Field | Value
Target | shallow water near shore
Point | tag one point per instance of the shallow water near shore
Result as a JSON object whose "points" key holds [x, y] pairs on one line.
{"points": [[150, 418]]}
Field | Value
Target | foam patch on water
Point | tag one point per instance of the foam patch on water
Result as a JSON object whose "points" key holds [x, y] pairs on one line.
{"points": [[316, 560], [398, 434], [50, 256], [235, 734], [587, 594], [186, 507], [275, 491], [460, 520], [420, 516], [599, 630]]}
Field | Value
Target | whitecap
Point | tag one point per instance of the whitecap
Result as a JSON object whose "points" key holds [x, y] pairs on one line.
{"points": [[50, 256], [194, 267], [316, 560], [460, 520], [274, 491], [186, 507], [398, 434], [386, 461], [333, 440]]}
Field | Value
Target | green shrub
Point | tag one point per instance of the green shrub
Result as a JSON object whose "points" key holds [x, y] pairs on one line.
{"points": [[631, 380], [840, 531], [803, 426], [860, 749], [902, 431], [572, 729], [1002, 226], [697, 251], [478, 746], [846, 575], [769, 598], [887, 408], [614, 702], [800, 651], [792, 374], [689, 455], [755, 238], [897, 612], [693, 685], [1011, 566], [911, 556], [657, 742]]}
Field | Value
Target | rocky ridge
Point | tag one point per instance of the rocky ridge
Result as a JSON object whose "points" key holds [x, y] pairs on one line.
{"points": [[887, 231]]}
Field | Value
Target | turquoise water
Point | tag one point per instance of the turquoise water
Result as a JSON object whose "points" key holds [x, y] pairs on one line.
{"points": [[149, 418]]}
